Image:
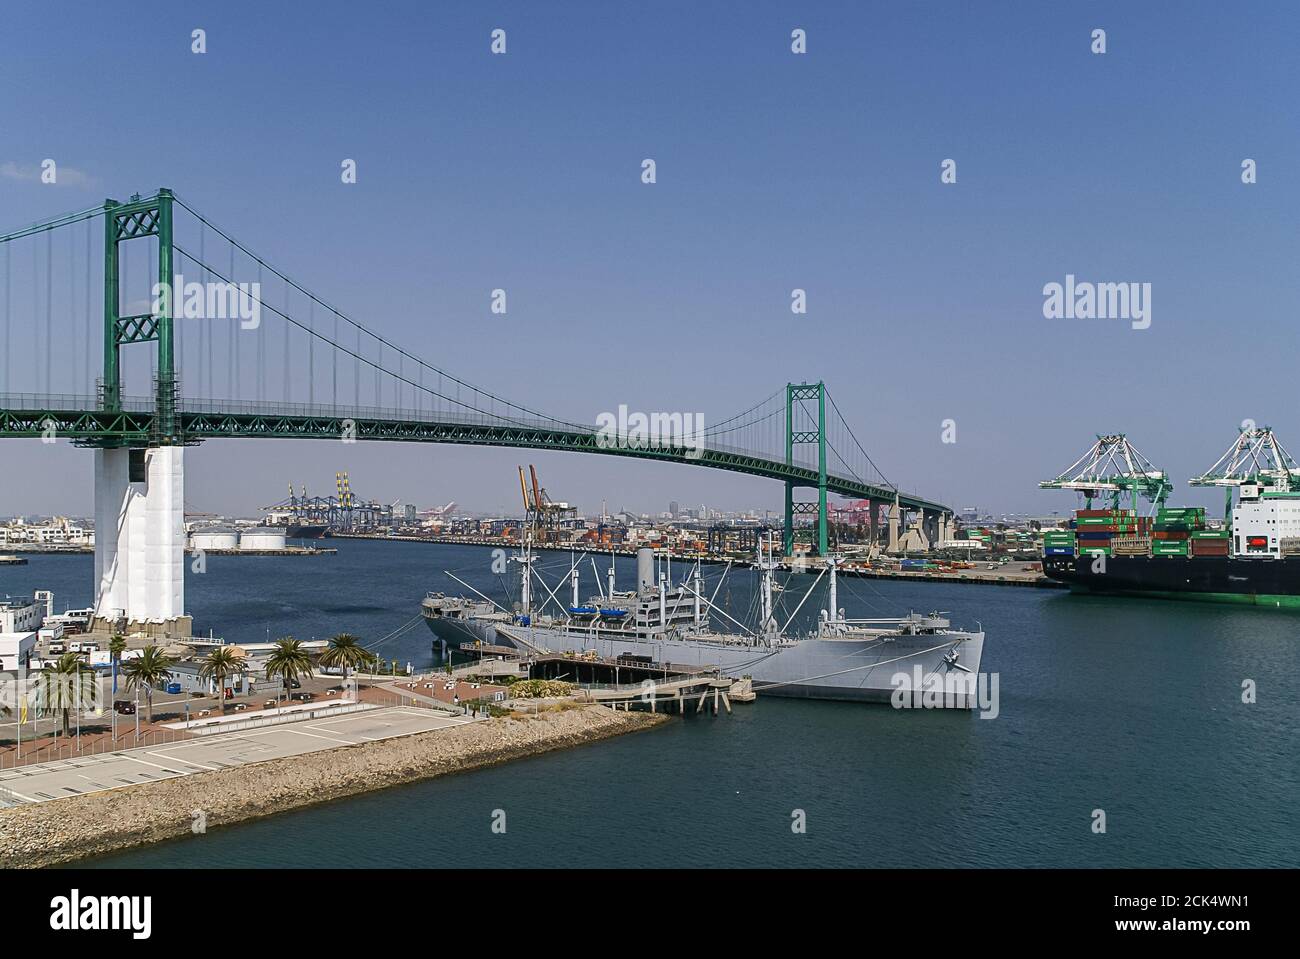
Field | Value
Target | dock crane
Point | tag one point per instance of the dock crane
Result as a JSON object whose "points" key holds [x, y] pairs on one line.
{"points": [[541, 514], [1113, 467], [1255, 458]]}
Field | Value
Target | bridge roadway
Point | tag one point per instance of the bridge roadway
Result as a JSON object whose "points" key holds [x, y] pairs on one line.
{"points": [[74, 418]]}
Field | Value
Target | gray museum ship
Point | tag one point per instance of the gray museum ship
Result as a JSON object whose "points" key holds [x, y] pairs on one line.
{"points": [[863, 660]]}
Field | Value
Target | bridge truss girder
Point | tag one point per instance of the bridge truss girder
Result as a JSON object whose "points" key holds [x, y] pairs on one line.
{"points": [[93, 428]]}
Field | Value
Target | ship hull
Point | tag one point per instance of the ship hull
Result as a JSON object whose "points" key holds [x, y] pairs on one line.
{"points": [[458, 631], [305, 530], [1210, 579], [856, 670]]}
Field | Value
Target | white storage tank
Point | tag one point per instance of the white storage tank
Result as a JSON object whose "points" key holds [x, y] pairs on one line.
{"points": [[262, 538], [211, 539]]}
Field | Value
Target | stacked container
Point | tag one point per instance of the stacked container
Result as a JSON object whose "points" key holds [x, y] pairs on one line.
{"points": [[1173, 530], [1058, 542], [1101, 530], [1210, 542]]}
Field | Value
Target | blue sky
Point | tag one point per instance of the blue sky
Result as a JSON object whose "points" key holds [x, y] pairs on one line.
{"points": [[775, 171]]}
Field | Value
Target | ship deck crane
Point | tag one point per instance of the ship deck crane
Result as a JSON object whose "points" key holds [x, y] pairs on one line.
{"points": [[1113, 467], [1254, 458]]}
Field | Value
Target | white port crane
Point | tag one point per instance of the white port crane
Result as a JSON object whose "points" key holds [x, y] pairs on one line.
{"points": [[1111, 467], [1255, 458]]}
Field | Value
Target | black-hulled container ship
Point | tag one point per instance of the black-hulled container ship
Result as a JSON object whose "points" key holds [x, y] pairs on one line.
{"points": [[1254, 559]]}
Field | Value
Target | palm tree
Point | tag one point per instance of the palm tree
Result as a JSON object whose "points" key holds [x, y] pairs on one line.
{"points": [[148, 670], [116, 647], [345, 650], [288, 660], [65, 687], [220, 663]]}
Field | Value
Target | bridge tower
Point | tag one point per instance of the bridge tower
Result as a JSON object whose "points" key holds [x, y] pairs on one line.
{"points": [[139, 492], [797, 392]]}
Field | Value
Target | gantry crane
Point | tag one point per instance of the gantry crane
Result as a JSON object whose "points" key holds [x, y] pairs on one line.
{"points": [[341, 512], [1256, 458], [542, 515], [1113, 467]]}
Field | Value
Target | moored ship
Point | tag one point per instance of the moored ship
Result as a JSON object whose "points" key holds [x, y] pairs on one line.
{"points": [[1251, 558], [865, 660]]}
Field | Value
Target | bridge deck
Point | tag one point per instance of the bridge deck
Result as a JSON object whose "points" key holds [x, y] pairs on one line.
{"points": [[74, 418]]}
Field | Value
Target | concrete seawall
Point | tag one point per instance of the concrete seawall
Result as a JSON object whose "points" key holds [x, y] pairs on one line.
{"points": [[45, 834]]}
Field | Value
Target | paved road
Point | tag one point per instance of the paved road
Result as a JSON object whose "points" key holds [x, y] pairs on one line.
{"points": [[71, 777]]}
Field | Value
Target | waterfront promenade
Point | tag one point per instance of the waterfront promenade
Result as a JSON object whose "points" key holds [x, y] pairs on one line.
{"points": [[58, 779]]}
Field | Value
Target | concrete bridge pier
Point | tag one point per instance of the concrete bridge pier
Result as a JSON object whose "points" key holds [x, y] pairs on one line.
{"points": [[931, 525], [894, 519], [140, 541]]}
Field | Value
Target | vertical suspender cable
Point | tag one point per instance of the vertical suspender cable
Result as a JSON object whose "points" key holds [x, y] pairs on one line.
{"points": [[72, 306], [8, 309], [311, 352], [261, 341], [235, 341], [86, 381], [286, 345], [49, 305], [205, 332]]}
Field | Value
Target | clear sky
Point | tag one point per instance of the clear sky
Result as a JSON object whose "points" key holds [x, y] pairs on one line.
{"points": [[775, 171]]}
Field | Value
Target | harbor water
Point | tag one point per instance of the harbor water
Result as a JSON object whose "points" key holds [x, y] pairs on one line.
{"points": [[1132, 707]]}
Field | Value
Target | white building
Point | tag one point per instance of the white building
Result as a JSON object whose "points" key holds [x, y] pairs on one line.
{"points": [[60, 531], [16, 650], [21, 615]]}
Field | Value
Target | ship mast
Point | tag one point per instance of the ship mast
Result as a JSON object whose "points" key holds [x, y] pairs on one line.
{"points": [[766, 564], [832, 603], [696, 577]]}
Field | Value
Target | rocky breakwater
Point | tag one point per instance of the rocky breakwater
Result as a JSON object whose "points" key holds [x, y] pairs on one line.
{"points": [[62, 830]]}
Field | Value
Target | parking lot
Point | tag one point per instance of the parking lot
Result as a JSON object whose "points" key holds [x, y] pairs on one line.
{"points": [[43, 782]]}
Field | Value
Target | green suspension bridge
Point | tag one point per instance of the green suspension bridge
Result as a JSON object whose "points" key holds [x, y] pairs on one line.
{"points": [[308, 370]]}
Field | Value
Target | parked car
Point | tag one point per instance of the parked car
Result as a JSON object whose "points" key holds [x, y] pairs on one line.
{"points": [[173, 688], [124, 707], [302, 697]]}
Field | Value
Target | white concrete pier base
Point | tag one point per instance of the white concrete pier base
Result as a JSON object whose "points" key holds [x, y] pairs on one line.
{"points": [[140, 541]]}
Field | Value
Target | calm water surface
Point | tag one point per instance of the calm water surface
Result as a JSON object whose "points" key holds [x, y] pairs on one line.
{"points": [[1130, 706]]}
